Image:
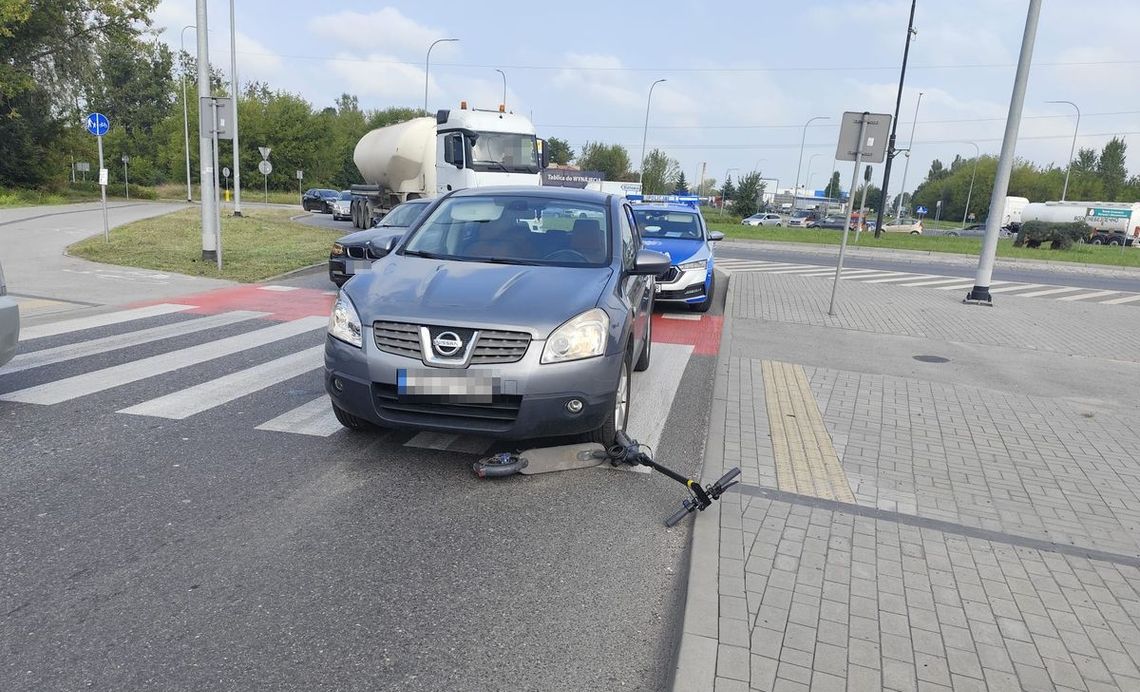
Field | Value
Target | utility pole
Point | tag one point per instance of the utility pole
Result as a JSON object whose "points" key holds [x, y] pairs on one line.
{"points": [[234, 94], [1073, 148], [906, 166], [208, 192], [980, 294], [796, 189], [645, 133], [895, 123], [186, 115]]}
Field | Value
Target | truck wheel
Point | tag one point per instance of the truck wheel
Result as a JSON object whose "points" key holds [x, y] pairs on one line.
{"points": [[1097, 240], [1115, 241]]}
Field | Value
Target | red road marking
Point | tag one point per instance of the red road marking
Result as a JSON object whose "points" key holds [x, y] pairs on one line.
{"points": [[702, 335]]}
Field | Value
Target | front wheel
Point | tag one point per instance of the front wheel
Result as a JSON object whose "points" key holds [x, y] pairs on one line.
{"points": [[914, 233], [705, 304], [617, 418], [348, 420], [646, 350]]}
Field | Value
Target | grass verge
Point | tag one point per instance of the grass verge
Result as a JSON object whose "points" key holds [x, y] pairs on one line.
{"points": [[176, 191], [261, 244], [1078, 254]]}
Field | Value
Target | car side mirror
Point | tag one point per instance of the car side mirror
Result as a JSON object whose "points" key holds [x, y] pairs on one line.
{"points": [[384, 248], [651, 263], [715, 236]]}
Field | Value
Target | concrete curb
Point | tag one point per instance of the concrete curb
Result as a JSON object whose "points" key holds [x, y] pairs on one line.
{"points": [[695, 669], [293, 272], [942, 257]]}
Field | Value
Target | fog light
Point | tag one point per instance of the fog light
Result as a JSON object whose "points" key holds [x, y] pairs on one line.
{"points": [[338, 385], [574, 406]]}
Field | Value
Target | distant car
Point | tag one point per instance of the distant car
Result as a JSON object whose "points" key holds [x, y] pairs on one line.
{"points": [[9, 322], [803, 219], [356, 252], [833, 222], [680, 232], [763, 219], [911, 226], [319, 200], [342, 206], [977, 230]]}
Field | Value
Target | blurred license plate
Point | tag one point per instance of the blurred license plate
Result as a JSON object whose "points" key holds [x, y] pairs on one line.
{"points": [[463, 386], [360, 265], [656, 288]]}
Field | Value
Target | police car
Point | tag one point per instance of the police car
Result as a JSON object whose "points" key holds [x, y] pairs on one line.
{"points": [[674, 225]]}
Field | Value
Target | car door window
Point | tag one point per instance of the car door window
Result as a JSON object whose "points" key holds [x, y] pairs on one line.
{"points": [[628, 239]]}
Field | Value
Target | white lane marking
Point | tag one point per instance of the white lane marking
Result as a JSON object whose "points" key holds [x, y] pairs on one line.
{"points": [[48, 356], [66, 326], [689, 318], [1049, 292], [773, 269], [1094, 294], [866, 275], [222, 390], [281, 289], [315, 418], [955, 287], [654, 392], [108, 378], [954, 280], [1015, 287], [1122, 301], [902, 276]]}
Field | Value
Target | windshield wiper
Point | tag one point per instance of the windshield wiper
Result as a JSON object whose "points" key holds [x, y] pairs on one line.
{"points": [[425, 255], [493, 163], [500, 260]]}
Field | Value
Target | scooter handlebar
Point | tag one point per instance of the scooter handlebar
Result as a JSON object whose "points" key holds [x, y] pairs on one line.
{"points": [[679, 515]]}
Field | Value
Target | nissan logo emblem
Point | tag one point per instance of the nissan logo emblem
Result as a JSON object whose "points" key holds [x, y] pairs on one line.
{"points": [[447, 343]]}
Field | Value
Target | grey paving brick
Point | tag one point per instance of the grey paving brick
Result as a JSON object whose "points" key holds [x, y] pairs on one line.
{"points": [[831, 659], [896, 647], [763, 672], [729, 685], [961, 683], [794, 673], [833, 633], [799, 637], [898, 675], [1092, 668], [1063, 673], [1033, 678], [1001, 681], [863, 678], [786, 685], [732, 662]]}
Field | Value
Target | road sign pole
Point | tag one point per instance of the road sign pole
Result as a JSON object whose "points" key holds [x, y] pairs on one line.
{"points": [[234, 90], [103, 192], [208, 191], [980, 293], [267, 189], [850, 204], [217, 204]]}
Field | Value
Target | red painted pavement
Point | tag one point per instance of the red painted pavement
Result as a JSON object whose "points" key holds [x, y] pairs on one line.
{"points": [[703, 335]]}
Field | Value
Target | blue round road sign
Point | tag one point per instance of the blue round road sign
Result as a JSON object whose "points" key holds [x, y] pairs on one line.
{"points": [[98, 124], [921, 211]]}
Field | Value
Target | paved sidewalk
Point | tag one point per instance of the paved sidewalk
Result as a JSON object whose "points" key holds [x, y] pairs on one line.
{"points": [[934, 496]]}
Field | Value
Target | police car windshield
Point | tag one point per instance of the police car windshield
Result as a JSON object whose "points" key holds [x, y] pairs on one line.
{"points": [[668, 224]]}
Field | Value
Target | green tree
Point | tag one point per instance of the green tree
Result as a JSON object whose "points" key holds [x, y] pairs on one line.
{"points": [[749, 192], [937, 171], [833, 189], [681, 185], [1111, 168], [658, 171], [874, 196], [558, 151], [611, 159], [728, 190]]}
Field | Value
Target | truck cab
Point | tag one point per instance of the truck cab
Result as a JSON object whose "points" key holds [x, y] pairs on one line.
{"points": [[477, 148]]}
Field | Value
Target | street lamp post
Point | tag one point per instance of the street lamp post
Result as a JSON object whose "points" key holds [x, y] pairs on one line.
{"points": [[977, 155], [796, 189], [186, 115], [427, 66], [234, 95], [811, 161], [645, 132], [1072, 149], [504, 86], [906, 166], [724, 199], [126, 177]]}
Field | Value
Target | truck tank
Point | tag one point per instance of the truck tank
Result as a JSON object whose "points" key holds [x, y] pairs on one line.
{"points": [[399, 158]]}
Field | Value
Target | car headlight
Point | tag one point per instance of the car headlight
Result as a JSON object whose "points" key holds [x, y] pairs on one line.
{"points": [[698, 265], [581, 337], [337, 249], [344, 323]]}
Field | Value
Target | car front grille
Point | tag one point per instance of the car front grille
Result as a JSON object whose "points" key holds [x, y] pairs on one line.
{"points": [[690, 292], [502, 409], [355, 251], [493, 346], [670, 275]]}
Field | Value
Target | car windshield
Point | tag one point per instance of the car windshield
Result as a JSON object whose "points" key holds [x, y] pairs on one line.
{"points": [[345, 195], [329, 193], [502, 151], [802, 214], [514, 229], [668, 224], [403, 215]]}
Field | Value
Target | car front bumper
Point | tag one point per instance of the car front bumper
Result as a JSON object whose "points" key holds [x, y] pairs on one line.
{"points": [[9, 328], [683, 287], [530, 400], [344, 267]]}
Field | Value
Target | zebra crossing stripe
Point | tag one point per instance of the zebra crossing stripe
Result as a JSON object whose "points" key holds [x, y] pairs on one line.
{"points": [[901, 276], [1121, 301], [314, 418], [1049, 292], [1094, 294], [59, 354], [954, 280], [1015, 287], [108, 378], [199, 398], [781, 268], [104, 320]]}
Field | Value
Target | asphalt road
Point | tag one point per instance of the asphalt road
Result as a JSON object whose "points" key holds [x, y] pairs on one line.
{"points": [[203, 553]]}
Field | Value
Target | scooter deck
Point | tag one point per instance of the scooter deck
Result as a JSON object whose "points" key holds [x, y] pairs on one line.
{"points": [[563, 458]]}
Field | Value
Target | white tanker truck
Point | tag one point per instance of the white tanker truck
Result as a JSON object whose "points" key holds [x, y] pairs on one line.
{"points": [[1110, 223], [428, 157]]}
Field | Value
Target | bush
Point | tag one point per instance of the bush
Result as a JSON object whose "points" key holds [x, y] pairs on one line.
{"points": [[1060, 236], [113, 190]]}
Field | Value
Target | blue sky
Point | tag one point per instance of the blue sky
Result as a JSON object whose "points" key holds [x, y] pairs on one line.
{"points": [[742, 76]]}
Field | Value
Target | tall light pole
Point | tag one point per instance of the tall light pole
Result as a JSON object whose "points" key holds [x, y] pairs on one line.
{"points": [[1072, 149], [796, 189], [811, 161], [910, 32], [504, 86], [186, 114], [205, 144], [645, 133], [724, 199], [906, 166], [757, 166], [977, 155], [427, 66], [234, 96]]}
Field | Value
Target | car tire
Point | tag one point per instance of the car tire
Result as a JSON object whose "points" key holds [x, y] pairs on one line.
{"points": [[915, 233], [350, 421], [647, 350], [704, 305], [605, 433]]}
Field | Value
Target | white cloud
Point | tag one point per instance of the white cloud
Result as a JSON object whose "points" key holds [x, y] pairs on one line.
{"points": [[383, 78], [386, 27]]}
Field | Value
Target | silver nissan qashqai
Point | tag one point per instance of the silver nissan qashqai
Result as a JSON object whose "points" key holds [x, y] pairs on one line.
{"points": [[511, 312]]}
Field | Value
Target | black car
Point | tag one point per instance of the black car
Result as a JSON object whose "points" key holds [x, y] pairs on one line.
{"points": [[319, 200], [355, 252]]}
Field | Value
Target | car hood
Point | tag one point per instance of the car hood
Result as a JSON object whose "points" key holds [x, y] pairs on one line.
{"points": [[454, 293], [362, 237], [678, 249]]}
